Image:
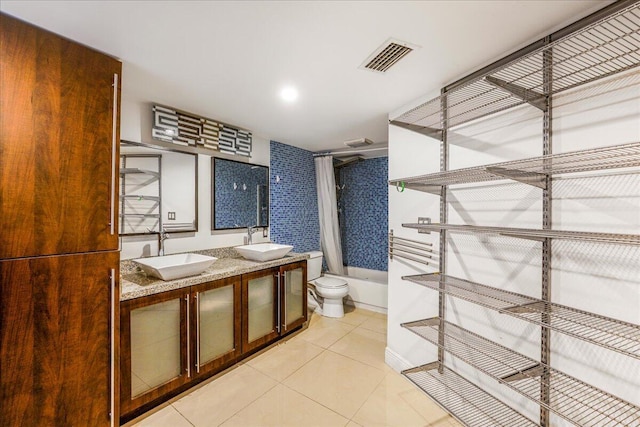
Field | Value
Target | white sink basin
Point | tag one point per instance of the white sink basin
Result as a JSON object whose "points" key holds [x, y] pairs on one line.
{"points": [[176, 266], [264, 251]]}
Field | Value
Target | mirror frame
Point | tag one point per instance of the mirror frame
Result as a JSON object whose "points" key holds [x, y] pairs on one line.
{"points": [[195, 158], [213, 194]]}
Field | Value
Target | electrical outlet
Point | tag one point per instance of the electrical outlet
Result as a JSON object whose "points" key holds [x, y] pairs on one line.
{"points": [[171, 215], [264, 232]]}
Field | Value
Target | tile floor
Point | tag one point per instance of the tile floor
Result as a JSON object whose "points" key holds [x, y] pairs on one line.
{"points": [[331, 374]]}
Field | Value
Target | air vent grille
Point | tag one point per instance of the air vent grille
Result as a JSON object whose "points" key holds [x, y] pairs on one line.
{"points": [[389, 54]]}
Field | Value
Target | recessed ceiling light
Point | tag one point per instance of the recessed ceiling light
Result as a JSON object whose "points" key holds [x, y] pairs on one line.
{"points": [[289, 94]]}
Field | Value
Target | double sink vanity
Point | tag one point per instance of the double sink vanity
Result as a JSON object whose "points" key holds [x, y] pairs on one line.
{"points": [[212, 309]]}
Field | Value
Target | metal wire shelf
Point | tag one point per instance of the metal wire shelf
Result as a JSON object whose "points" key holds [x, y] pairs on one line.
{"points": [[531, 171], [613, 334], [577, 402], [606, 47], [534, 234], [468, 403]]}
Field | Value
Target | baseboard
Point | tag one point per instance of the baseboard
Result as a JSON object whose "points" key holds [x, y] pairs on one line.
{"points": [[395, 361]]}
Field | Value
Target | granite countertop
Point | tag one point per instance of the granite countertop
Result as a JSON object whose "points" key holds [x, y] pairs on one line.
{"points": [[136, 284]]}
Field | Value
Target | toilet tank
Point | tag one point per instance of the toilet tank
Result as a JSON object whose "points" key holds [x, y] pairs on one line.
{"points": [[314, 265]]}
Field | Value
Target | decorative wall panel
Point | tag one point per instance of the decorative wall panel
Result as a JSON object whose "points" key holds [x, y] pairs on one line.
{"points": [[178, 127]]}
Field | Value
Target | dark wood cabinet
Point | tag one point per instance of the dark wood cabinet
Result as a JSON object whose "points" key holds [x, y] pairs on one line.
{"points": [[59, 151], [216, 318], [274, 303], [261, 310], [59, 121], [55, 339], [294, 295], [154, 343], [173, 340]]}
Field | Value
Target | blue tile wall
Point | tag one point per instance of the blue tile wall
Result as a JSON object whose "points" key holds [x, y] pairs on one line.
{"points": [[364, 213], [294, 200]]}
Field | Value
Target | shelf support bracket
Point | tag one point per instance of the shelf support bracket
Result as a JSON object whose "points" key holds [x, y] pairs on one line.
{"points": [[424, 220], [531, 178], [424, 130], [527, 95], [534, 371]]}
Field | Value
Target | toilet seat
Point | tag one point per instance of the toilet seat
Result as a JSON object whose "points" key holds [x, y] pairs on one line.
{"points": [[330, 282]]}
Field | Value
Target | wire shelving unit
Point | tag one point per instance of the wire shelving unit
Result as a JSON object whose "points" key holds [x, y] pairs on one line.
{"points": [[575, 401], [601, 45], [616, 335]]}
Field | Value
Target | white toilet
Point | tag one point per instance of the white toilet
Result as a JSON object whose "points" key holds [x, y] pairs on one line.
{"points": [[330, 289]]}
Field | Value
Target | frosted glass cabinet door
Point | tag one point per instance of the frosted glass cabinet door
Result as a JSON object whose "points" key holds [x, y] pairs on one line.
{"points": [[217, 323], [153, 341], [260, 315], [295, 295]]}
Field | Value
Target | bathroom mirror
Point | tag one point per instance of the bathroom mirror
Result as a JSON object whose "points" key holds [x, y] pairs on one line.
{"points": [[158, 190], [240, 194]]}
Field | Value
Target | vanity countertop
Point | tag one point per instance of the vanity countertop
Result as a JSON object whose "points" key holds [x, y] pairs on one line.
{"points": [[135, 284]]}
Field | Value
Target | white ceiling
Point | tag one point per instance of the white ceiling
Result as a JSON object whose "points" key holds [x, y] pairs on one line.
{"points": [[229, 60]]}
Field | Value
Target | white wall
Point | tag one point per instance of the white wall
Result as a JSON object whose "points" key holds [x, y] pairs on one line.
{"points": [[604, 279], [135, 126]]}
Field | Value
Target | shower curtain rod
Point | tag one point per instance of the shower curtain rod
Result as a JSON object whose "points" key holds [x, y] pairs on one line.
{"points": [[338, 152]]}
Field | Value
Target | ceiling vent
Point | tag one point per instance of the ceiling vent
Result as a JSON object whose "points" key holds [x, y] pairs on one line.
{"points": [[387, 55], [360, 142]]}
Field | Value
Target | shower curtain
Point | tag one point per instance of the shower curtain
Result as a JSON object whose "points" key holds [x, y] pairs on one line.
{"points": [[328, 214]]}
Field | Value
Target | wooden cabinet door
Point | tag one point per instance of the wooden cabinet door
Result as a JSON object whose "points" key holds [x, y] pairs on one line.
{"points": [[59, 125], [56, 340], [260, 309], [216, 325], [154, 343], [293, 288]]}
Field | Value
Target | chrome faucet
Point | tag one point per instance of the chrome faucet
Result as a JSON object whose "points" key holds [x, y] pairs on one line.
{"points": [[162, 236], [250, 231]]}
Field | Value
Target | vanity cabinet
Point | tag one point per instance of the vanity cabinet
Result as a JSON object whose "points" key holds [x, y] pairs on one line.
{"points": [[274, 302], [153, 341], [216, 316], [172, 340]]}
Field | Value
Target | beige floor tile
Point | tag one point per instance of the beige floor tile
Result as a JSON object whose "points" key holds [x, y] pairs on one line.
{"points": [[284, 359], [446, 421], [391, 404], [219, 400], [352, 424], [166, 417], [355, 316], [364, 346], [375, 324], [324, 332], [337, 382], [282, 406]]}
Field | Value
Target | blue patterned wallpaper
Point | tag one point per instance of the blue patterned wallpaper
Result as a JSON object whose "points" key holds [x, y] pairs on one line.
{"points": [[294, 200], [364, 217]]}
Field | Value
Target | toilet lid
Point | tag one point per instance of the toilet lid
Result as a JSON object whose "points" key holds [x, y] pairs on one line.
{"points": [[330, 282]]}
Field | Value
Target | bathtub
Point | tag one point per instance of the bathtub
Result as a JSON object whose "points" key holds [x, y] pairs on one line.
{"points": [[367, 288]]}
